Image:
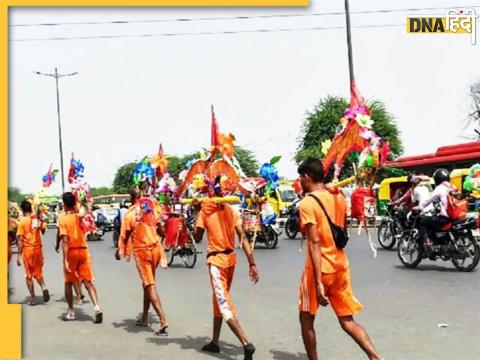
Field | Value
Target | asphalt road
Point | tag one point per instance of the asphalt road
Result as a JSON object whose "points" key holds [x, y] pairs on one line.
{"points": [[402, 309]]}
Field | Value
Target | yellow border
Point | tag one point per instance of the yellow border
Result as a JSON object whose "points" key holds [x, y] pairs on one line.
{"points": [[10, 315]]}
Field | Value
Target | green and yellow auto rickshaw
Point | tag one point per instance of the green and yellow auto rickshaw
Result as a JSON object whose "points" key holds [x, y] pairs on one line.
{"points": [[393, 188]]}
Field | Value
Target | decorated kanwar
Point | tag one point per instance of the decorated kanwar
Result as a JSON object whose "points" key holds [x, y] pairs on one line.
{"points": [[73, 226], [323, 218], [216, 217], [141, 232], [354, 135]]}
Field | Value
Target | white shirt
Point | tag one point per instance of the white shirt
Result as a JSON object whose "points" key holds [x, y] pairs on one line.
{"points": [[420, 195], [123, 212], [440, 193]]}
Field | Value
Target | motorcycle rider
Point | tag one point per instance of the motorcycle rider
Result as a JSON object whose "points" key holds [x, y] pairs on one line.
{"points": [[416, 195], [434, 209]]}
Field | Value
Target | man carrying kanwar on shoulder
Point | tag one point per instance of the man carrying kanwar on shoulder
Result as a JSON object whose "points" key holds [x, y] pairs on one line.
{"points": [[326, 277], [29, 231], [222, 222], [140, 233], [77, 262]]}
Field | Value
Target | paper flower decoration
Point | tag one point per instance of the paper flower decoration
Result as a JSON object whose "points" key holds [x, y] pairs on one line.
{"points": [[364, 120], [76, 170], [326, 146], [160, 163], [49, 177], [199, 182], [352, 112], [143, 171], [384, 151], [269, 173], [226, 146], [472, 181], [167, 185]]}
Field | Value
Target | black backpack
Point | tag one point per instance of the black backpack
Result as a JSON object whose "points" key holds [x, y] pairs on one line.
{"points": [[339, 234]]}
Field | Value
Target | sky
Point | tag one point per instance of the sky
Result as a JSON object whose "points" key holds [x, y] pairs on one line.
{"points": [[131, 94]]}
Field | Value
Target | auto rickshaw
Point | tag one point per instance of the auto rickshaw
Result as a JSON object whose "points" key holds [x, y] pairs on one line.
{"points": [[282, 198], [392, 188]]}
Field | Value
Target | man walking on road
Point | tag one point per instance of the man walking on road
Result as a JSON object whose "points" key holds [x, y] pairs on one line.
{"points": [[29, 231], [326, 277], [77, 263], [221, 222], [147, 250]]}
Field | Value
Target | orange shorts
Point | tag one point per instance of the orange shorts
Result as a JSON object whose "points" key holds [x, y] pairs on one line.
{"points": [[147, 260], [338, 289], [33, 262], [221, 280], [80, 264]]}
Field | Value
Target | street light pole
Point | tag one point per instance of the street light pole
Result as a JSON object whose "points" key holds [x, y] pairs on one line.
{"points": [[56, 75], [349, 43]]}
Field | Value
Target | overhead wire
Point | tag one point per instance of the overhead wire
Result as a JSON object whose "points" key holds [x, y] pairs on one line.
{"points": [[203, 33], [245, 17]]}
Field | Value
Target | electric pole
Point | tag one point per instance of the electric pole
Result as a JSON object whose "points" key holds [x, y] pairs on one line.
{"points": [[349, 43], [57, 76]]}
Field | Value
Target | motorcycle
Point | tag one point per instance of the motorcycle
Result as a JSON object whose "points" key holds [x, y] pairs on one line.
{"points": [[260, 230], [454, 243], [292, 225], [391, 228]]}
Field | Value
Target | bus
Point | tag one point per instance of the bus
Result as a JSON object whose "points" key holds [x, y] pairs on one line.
{"points": [[110, 201]]}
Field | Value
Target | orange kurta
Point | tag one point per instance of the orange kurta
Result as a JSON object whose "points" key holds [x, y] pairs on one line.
{"points": [[78, 256], [334, 263], [145, 243], [29, 231], [219, 221]]}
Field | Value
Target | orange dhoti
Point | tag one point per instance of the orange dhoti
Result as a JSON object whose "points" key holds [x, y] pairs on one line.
{"points": [[148, 259], [80, 264], [338, 290], [33, 262], [221, 280]]}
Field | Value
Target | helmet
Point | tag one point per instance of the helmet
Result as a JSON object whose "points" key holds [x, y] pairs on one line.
{"points": [[441, 175], [409, 179]]}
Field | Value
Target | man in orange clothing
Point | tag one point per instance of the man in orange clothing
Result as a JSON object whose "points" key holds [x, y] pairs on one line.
{"points": [[326, 277], [77, 263], [221, 222], [142, 225], [29, 231]]}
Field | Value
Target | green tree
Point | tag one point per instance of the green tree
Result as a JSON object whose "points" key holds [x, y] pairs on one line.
{"points": [[123, 181], [247, 160], [102, 190], [320, 124], [15, 195], [176, 164]]}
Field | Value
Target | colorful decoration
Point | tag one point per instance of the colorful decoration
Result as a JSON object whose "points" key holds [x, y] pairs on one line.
{"points": [[159, 162], [49, 177], [355, 134], [76, 170], [166, 188], [143, 172], [269, 173], [472, 181], [326, 146], [81, 190]]}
